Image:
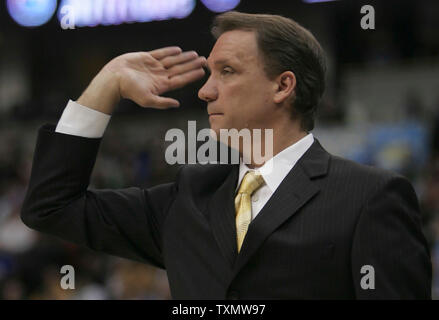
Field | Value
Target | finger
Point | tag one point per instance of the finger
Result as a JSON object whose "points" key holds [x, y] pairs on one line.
{"points": [[185, 78], [186, 67], [161, 53], [171, 61], [162, 102]]}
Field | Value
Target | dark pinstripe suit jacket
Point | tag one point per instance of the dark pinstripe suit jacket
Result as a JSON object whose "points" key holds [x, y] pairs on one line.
{"points": [[328, 218]]}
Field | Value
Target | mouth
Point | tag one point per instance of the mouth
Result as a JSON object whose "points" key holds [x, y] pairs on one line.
{"points": [[215, 114]]}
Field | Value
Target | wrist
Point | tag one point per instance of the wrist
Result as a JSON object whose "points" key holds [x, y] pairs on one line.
{"points": [[103, 93]]}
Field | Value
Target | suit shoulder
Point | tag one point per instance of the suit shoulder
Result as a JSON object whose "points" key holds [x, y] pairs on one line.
{"points": [[349, 170], [362, 183]]}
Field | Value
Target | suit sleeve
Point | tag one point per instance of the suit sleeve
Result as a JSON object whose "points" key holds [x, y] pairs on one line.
{"points": [[389, 239], [122, 222]]}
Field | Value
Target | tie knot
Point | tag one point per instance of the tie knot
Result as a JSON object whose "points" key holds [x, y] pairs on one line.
{"points": [[251, 182]]}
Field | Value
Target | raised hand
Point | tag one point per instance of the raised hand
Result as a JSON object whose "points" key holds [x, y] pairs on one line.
{"points": [[143, 77]]}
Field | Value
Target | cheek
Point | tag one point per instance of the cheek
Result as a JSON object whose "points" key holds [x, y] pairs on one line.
{"points": [[231, 90], [231, 98], [256, 91], [241, 94], [245, 100]]}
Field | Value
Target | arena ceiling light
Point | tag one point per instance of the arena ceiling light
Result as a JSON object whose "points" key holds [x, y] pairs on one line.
{"points": [[31, 13], [89, 13], [113, 12], [220, 5]]}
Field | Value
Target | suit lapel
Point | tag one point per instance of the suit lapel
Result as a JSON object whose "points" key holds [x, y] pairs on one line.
{"points": [[294, 192], [221, 213]]}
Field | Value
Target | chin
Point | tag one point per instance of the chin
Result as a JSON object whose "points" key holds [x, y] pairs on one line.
{"points": [[214, 133]]}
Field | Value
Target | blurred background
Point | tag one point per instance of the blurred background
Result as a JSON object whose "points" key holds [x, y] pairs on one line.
{"points": [[381, 108]]}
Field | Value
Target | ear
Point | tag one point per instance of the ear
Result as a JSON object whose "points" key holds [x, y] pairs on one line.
{"points": [[286, 84]]}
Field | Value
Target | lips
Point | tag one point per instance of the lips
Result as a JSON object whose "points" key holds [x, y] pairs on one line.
{"points": [[215, 116], [212, 112]]}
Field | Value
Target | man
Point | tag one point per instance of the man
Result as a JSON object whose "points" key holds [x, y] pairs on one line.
{"points": [[314, 227]]}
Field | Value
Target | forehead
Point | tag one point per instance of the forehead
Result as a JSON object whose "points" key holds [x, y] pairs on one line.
{"points": [[237, 45]]}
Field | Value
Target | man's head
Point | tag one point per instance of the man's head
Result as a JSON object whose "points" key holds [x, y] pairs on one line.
{"points": [[263, 68]]}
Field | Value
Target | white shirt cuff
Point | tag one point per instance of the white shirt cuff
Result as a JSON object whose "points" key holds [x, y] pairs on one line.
{"points": [[79, 120]]}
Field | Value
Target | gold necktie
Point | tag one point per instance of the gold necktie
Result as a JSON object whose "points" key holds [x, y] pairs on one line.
{"points": [[251, 182]]}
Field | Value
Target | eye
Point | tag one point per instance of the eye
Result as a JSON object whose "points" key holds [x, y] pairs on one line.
{"points": [[227, 70]]}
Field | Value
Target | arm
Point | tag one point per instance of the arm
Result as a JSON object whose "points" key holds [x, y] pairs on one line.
{"points": [[123, 222], [388, 237]]}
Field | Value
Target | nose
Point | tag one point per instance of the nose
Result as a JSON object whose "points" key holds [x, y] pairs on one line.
{"points": [[208, 91]]}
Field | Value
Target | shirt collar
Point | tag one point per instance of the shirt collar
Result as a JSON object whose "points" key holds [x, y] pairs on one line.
{"points": [[281, 164]]}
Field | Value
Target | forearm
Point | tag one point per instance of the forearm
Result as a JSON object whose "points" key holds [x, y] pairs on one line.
{"points": [[103, 93]]}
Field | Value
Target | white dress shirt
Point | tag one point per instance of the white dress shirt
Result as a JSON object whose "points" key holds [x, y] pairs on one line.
{"points": [[86, 122], [275, 172]]}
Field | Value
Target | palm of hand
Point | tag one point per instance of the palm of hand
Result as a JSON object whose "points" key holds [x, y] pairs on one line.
{"points": [[144, 76]]}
